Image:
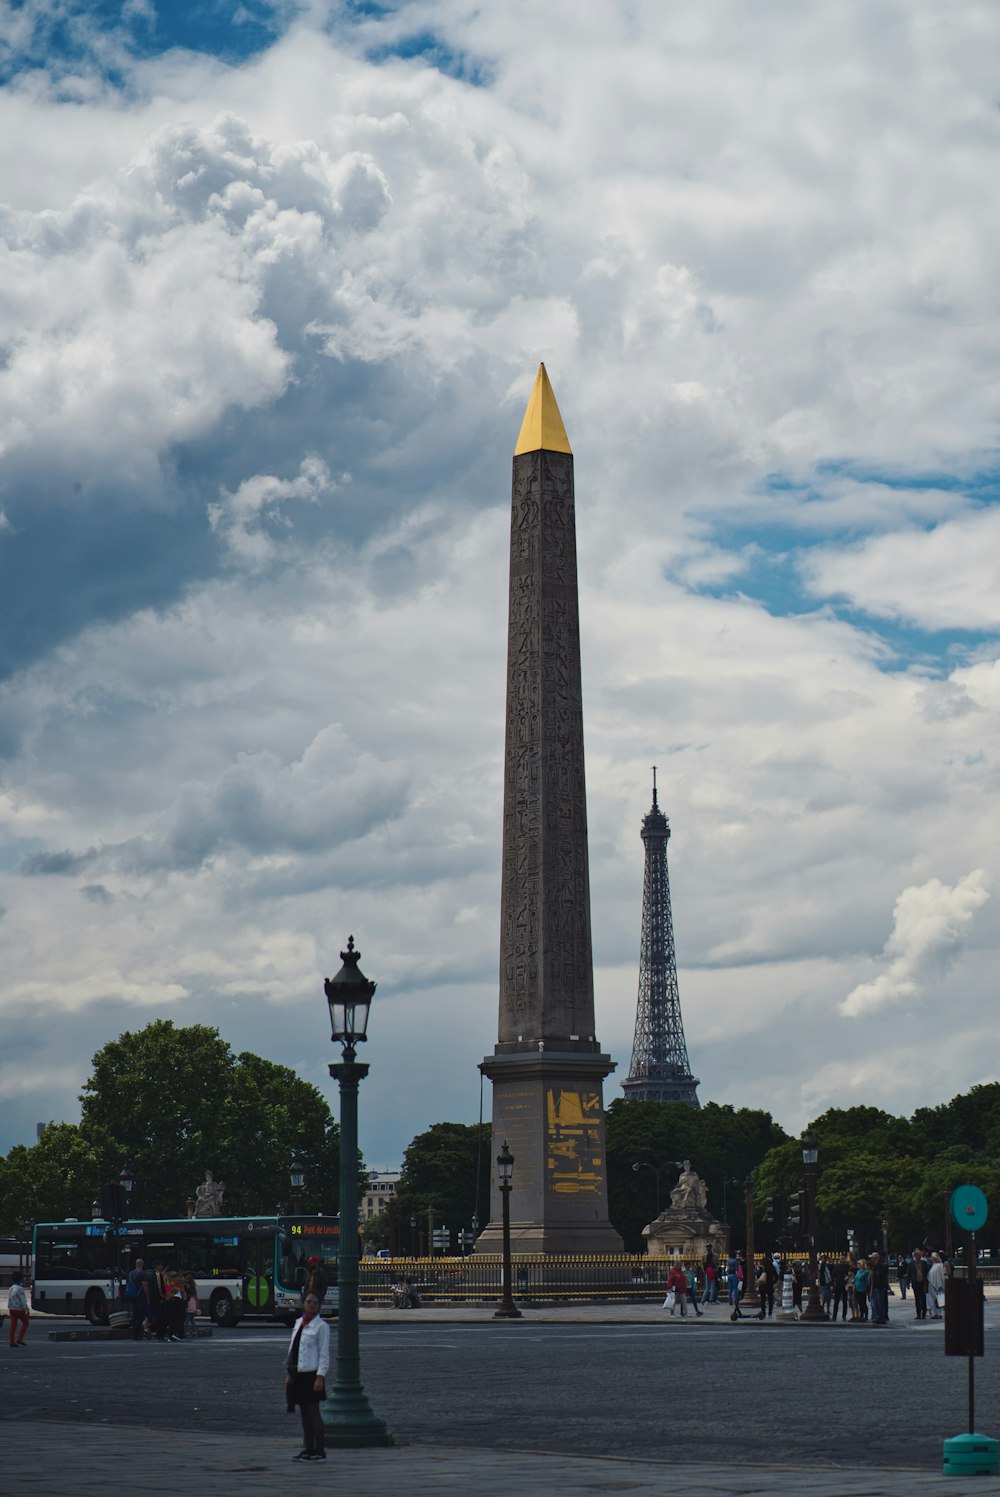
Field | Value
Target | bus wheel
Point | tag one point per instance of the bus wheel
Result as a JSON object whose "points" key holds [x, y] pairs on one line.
{"points": [[222, 1310], [96, 1307]]}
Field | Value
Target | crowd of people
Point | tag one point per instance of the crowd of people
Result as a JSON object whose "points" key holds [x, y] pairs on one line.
{"points": [[163, 1301], [852, 1287]]}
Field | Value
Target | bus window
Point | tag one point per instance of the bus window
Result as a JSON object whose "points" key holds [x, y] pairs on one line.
{"points": [[58, 1258], [191, 1256], [224, 1257], [94, 1257]]}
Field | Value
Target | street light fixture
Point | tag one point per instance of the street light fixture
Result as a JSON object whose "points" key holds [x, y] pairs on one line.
{"points": [[812, 1310], [347, 1415], [296, 1178], [641, 1164], [726, 1182], [507, 1310], [126, 1180]]}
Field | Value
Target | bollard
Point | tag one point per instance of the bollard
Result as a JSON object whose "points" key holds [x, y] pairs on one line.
{"points": [[787, 1311], [971, 1455]]}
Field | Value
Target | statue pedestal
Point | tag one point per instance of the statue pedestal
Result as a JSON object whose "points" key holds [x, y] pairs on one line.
{"points": [[686, 1233]]}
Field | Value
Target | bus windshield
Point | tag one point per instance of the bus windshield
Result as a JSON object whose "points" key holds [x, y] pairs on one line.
{"points": [[304, 1240]]}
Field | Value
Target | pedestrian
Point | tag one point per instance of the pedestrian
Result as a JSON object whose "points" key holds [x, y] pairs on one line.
{"points": [[765, 1286], [733, 1285], [711, 1277], [852, 1294], [316, 1279], [137, 1298], [17, 1308], [902, 1274], [190, 1304], [862, 1283], [691, 1275], [841, 1273], [173, 1281], [306, 1366], [825, 1274], [879, 1289], [798, 1279], [677, 1285], [918, 1283], [935, 1288], [158, 1302]]}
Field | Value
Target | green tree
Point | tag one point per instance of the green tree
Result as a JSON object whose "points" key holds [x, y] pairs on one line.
{"points": [[177, 1102], [440, 1171], [58, 1177], [268, 1114], [723, 1143]]}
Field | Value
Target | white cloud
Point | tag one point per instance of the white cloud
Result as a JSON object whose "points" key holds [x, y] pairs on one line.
{"points": [[252, 702], [245, 520], [944, 578], [930, 923]]}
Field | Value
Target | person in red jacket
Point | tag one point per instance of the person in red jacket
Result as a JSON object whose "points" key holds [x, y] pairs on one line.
{"points": [[679, 1284]]}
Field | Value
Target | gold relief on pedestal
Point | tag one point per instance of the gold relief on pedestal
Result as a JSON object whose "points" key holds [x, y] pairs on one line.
{"points": [[573, 1164]]}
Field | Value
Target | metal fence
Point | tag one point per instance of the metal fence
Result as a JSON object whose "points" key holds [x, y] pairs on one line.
{"points": [[537, 1279]]}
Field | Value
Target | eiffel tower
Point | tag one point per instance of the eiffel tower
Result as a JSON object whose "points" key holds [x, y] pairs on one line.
{"points": [[660, 1069]]}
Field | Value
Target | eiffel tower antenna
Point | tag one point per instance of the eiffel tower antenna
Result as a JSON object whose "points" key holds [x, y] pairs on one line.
{"points": [[660, 1069]]}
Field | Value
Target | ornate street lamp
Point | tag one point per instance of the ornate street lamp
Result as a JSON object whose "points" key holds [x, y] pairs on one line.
{"points": [[812, 1310], [296, 1178], [507, 1309], [126, 1180], [347, 1414], [413, 1236], [642, 1165]]}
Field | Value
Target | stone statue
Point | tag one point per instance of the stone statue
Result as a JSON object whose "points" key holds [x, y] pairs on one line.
{"points": [[690, 1193], [208, 1199], [687, 1228]]}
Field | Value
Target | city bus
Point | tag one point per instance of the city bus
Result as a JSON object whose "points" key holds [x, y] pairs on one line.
{"points": [[243, 1266]]}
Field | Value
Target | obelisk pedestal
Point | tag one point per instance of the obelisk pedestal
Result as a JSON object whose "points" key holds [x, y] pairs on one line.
{"points": [[547, 1070]]}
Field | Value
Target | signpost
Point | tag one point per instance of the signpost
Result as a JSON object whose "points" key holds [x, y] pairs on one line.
{"points": [[971, 1454]]}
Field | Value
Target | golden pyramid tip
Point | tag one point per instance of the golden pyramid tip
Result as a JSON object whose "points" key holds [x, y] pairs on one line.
{"points": [[542, 427]]}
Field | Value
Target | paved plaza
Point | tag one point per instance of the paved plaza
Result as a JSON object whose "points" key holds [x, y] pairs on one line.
{"points": [[56, 1460], [571, 1400]]}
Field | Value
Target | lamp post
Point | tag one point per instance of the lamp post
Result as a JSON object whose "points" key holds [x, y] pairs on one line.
{"points": [[813, 1310], [751, 1295], [507, 1310], [413, 1236], [113, 1205], [347, 1414], [726, 1182], [296, 1178], [641, 1164]]}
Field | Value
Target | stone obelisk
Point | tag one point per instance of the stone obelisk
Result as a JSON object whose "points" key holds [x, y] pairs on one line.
{"points": [[547, 1069]]}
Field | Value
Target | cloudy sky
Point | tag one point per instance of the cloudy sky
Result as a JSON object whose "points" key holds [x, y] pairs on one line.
{"points": [[275, 281]]}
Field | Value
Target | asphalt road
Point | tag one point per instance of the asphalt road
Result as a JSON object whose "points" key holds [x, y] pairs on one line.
{"points": [[684, 1392]]}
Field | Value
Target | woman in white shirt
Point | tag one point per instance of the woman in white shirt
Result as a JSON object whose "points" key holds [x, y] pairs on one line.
{"points": [[307, 1364], [935, 1286]]}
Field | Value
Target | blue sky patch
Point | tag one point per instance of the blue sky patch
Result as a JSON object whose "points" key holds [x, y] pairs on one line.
{"points": [[102, 35]]}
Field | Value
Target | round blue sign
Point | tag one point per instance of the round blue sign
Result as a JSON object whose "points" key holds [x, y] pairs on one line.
{"points": [[969, 1208]]}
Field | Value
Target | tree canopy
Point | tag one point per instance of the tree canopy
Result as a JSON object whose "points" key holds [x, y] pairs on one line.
{"points": [[723, 1143], [175, 1102], [440, 1170]]}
